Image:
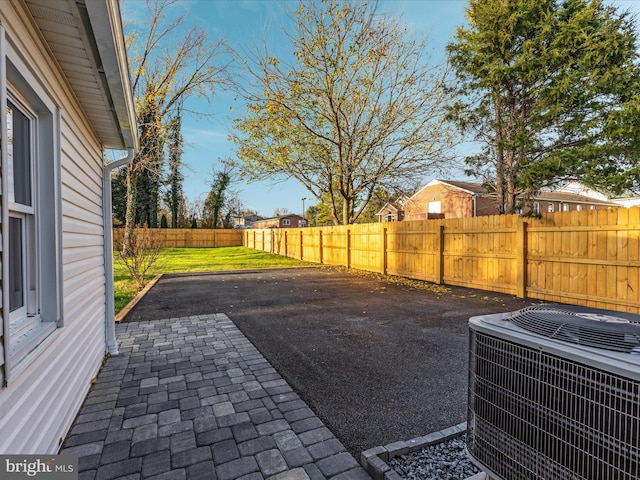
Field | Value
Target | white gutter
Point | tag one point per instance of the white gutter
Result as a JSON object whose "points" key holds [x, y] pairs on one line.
{"points": [[109, 321]]}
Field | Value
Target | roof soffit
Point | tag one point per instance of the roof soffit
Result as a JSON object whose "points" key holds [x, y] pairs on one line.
{"points": [[86, 39]]}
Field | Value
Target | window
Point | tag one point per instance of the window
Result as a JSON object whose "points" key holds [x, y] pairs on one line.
{"points": [[551, 207], [435, 207], [579, 208], [566, 207], [391, 217], [286, 222], [536, 207], [30, 211], [22, 257]]}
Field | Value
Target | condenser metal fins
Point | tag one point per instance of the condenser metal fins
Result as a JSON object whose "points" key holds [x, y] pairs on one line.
{"points": [[554, 394]]}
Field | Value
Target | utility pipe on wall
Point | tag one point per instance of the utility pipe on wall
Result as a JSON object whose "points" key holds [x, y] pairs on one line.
{"points": [[110, 323]]}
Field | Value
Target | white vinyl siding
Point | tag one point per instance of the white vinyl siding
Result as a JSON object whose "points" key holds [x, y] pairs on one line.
{"points": [[42, 397]]}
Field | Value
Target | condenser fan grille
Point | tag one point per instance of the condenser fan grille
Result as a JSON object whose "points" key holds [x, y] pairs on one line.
{"points": [[534, 415], [599, 331]]}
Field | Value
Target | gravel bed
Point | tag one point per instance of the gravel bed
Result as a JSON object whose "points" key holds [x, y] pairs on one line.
{"points": [[442, 461]]}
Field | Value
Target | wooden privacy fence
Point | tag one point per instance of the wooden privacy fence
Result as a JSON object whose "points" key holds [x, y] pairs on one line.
{"points": [[589, 257], [185, 237]]}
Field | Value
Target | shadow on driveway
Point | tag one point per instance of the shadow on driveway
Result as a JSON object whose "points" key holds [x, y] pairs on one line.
{"points": [[377, 361]]}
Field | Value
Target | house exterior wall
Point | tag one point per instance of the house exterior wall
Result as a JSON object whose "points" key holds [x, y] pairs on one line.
{"points": [[549, 206], [279, 222], [454, 203], [486, 206], [43, 395], [390, 214]]}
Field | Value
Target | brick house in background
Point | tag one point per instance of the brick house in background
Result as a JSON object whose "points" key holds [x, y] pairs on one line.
{"points": [[562, 201], [282, 221], [393, 211], [451, 199], [246, 221], [390, 213]]}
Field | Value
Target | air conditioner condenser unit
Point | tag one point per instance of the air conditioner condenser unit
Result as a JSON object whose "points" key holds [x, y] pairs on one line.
{"points": [[554, 394]]}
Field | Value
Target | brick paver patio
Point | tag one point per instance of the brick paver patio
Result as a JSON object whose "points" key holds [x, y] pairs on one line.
{"points": [[192, 398]]}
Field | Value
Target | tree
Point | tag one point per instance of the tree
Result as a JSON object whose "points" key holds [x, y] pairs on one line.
{"points": [[218, 195], [278, 212], [359, 107], [175, 148], [381, 198], [318, 215], [550, 90], [119, 194], [169, 64]]}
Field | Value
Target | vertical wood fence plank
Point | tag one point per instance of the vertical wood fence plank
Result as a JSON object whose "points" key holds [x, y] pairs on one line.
{"points": [[521, 259], [439, 255]]}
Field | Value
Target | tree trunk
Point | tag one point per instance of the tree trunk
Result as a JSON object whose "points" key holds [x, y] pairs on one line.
{"points": [[499, 130], [345, 211], [130, 216]]}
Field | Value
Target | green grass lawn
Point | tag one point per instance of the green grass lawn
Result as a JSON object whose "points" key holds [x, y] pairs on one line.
{"points": [[186, 260]]}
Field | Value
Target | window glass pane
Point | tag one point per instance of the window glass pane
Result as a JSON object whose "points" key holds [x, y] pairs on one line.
{"points": [[19, 154], [16, 264]]}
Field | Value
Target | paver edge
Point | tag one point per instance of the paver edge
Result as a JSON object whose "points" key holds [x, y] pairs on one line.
{"points": [[374, 460], [129, 306]]}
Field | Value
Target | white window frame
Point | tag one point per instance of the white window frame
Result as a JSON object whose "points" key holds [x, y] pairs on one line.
{"points": [[579, 208], [286, 222], [25, 333], [566, 207], [25, 318], [435, 207], [551, 207], [536, 207]]}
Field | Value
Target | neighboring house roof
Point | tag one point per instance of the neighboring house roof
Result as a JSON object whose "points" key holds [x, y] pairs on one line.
{"points": [[279, 217], [568, 197], [468, 187], [626, 199], [473, 188], [86, 39], [386, 208], [582, 189]]}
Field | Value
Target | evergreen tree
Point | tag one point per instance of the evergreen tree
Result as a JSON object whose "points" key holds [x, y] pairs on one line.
{"points": [[175, 147], [215, 199], [550, 90]]}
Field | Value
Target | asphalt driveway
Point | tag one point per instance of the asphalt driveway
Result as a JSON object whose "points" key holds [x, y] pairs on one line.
{"points": [[377, 361]]}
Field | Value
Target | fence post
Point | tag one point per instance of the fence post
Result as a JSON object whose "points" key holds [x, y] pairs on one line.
{"points": [[301, 245], [214, 238], [384, 251], [320, 246], [521, 259], [348, 248], [439, 260]]}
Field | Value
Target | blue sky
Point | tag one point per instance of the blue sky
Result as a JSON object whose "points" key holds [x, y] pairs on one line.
{"points": [[242, 22]]}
